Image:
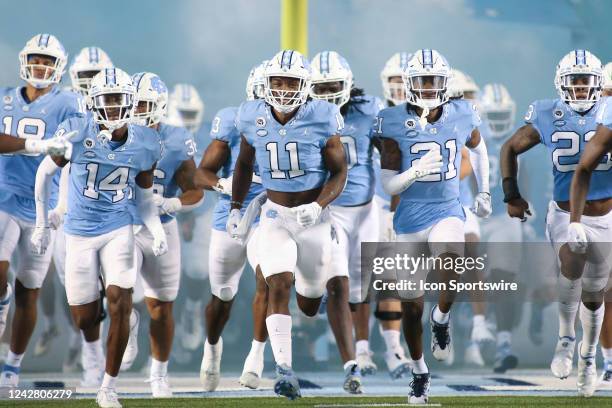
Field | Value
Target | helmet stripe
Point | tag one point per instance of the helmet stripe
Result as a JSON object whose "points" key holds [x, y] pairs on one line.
{"points": [[403, 60], [110, 76], [427, 58], [580, 57], [324, 62], [496, 93], [286, 59], [43, 40]]}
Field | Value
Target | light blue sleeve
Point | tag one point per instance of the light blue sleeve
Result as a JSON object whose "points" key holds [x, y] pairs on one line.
{"points": [[604, 115], [336, 122], [223, 125], [531, 118], [240, 122]]}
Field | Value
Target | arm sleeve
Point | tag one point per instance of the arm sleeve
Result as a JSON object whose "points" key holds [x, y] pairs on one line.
{"points": [[62, 203], [479, 159], [604, 115], [148, 211], [44, 178]]}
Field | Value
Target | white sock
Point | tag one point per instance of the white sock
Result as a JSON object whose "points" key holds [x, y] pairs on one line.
{"points": [[591, 320], [279, 330], [439, 317], [14, 359], [158, 368], [392, 340], [362, 347], [567, 319], [109, 381], [257, 348], [504, 337], [419, 366], [607, 353], [478, 320]]}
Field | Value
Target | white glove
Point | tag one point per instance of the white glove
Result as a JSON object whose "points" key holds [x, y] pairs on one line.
{"points": [[233, 223], [56, 217], [388, 231], [577, 239], [56, 146], [394, 183], [160, 244], [430, 163], [307, 214], [40, 239], [482, 205], [224, 186], [167, 205]]}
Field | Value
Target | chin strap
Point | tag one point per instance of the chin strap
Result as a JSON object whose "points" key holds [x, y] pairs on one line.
{"points": [[423, 118]]}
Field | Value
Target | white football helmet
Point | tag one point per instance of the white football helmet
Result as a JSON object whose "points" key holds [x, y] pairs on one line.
{"points": [[461, 85], [186, 100], [579, 72], [287, 64], [394, 68], [40, 75], [425, 79], [255, 82], [498, 108], [151, 92], [111, 98], [87, 63], [607, 76], [329, 67]]}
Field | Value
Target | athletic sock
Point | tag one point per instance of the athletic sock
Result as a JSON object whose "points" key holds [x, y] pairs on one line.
{"points": [[419, 366], [392, 340], [439, 317], [158, 368], [362, 347], [591, 321], [14, 359], [279, 330]]}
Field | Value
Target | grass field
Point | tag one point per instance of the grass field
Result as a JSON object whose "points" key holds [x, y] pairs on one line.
{"points": [[324, 402]]}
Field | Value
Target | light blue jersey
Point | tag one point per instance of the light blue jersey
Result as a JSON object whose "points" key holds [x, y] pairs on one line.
{"points": [[436, 196], [224, 129], [290, 156], [177, 146], [37, 120], [101, 176], [565, 133], [356, 137]]}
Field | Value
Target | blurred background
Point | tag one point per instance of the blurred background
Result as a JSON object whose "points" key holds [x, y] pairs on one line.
{"points": [[212, 44]]}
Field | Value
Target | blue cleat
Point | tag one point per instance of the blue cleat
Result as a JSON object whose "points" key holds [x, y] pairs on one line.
{"points": [[286, 383]]}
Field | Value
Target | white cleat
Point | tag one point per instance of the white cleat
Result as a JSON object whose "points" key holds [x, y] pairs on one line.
{"points": [[4, 307], [397, 363], [107, 398], [481, 333], [587, 375], [160, 387], [9, 377], [210, 370], [131, 350], [365, 363], [605, 381], [473, 355], [561, 365], [252, 371]]}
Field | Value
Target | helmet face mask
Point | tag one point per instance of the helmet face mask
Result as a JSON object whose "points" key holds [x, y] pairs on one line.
{"points": [[579, 80], [336, 92], [425, 79], [111, 98], [287, 81], [42, 61], [396, 90], [186, 107], [255, 82]]}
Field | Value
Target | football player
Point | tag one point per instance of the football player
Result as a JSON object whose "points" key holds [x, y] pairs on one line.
{"points": [[423, 169], [227, 257], [31, 113], [109, 157], [161, 274], [565, 125], [303, 169]]}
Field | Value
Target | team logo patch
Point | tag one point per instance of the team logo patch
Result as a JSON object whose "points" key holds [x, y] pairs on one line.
{"points": [[89, 143], [261, 132], [111, 156], [8, 107], [271, 213], [558, 113], [89, 155], [412, 133], [282, 132], [410, 123], [559, 123], [260, 121], [433, 130], [7, 99]]}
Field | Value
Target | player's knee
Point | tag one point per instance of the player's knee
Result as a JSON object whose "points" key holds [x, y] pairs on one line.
{"points": [[159, 311], [337, 287], [119, 301], [387, 315], [280, 284], [226, 294]]}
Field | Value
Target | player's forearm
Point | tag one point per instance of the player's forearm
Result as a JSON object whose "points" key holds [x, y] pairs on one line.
{"points": [[44, 179], [332, 189], [578, 192], [191, 199], [205, 178], [241, 182], [10, 144]]}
